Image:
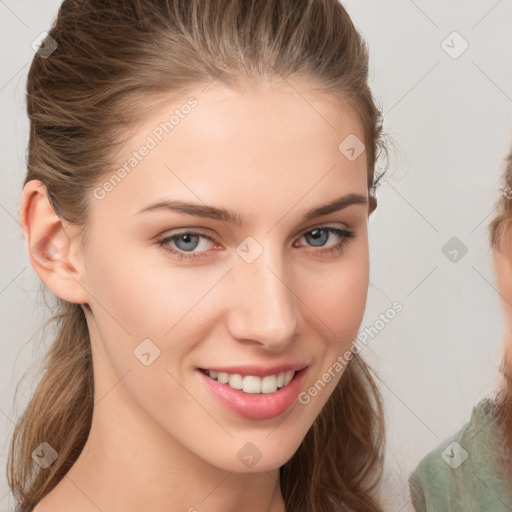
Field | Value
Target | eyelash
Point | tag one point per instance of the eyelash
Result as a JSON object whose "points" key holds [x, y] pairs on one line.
{"points": [[345, 234]]}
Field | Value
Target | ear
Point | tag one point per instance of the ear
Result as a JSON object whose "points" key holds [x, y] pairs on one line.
{"points": [[54, 246]]}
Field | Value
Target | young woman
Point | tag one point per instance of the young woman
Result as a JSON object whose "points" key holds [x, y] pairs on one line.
{"points": [[472, 469], [200, 176]]}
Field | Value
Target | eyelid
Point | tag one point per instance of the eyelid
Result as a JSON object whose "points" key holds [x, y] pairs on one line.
{"points": [[213, 238], [209, 233], [346, 234], [326, 224], [337, 230]]}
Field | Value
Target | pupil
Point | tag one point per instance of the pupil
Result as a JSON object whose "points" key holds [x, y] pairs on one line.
{"points": [[316, 236], [187, 239]]}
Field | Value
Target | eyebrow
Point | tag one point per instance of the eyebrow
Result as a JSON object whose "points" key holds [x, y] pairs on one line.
{"points": [[222, 214]]}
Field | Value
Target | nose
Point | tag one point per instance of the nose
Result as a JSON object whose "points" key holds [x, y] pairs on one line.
{"points": [[264, 307]]}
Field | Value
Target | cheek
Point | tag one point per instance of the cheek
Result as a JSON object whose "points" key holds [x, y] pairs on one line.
{"points": [[341, 299], [120, 287], [135, 295], [129, 289], [337, 314]]}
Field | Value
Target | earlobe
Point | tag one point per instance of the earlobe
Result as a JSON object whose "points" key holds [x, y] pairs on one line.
{"points": [[53, 248]]}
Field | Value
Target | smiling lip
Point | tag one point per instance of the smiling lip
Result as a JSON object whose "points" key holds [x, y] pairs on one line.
{"points": [[257, 371], [256, 406]]}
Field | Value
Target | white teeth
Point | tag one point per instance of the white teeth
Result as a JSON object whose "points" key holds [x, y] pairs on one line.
{"points": [[251, 383], [223, 378], [288, 376], [269, 384], [235, 381]]}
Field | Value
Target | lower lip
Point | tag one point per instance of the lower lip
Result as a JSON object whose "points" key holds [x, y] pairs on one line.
{"points": [[256, 406]]}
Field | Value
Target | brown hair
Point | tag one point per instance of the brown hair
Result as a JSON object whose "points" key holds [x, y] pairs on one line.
{"points": [[498, 231], [500, 224], [81, 101], [503, 416]]}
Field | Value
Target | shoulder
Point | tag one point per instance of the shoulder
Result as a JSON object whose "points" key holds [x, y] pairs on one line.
{"points": [[462, 472]]}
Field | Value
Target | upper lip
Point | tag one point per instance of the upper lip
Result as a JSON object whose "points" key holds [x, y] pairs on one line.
{"points": [[257, 370]]}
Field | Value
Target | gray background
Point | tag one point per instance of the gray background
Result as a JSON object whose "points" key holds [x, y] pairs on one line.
{"points": [[449, 120]]}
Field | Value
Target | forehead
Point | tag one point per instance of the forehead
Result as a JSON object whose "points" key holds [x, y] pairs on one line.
{"points": [[221, 145]]}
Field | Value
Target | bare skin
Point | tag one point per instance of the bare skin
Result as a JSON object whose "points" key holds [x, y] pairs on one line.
{"points": [[159, 441], [503, 272]]}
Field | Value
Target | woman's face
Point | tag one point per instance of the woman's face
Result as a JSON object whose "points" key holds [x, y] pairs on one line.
{"points": [[275, 288], [503, 271]]}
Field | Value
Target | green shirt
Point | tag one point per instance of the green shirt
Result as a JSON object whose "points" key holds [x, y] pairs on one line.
{"points": [[462, 474]]}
